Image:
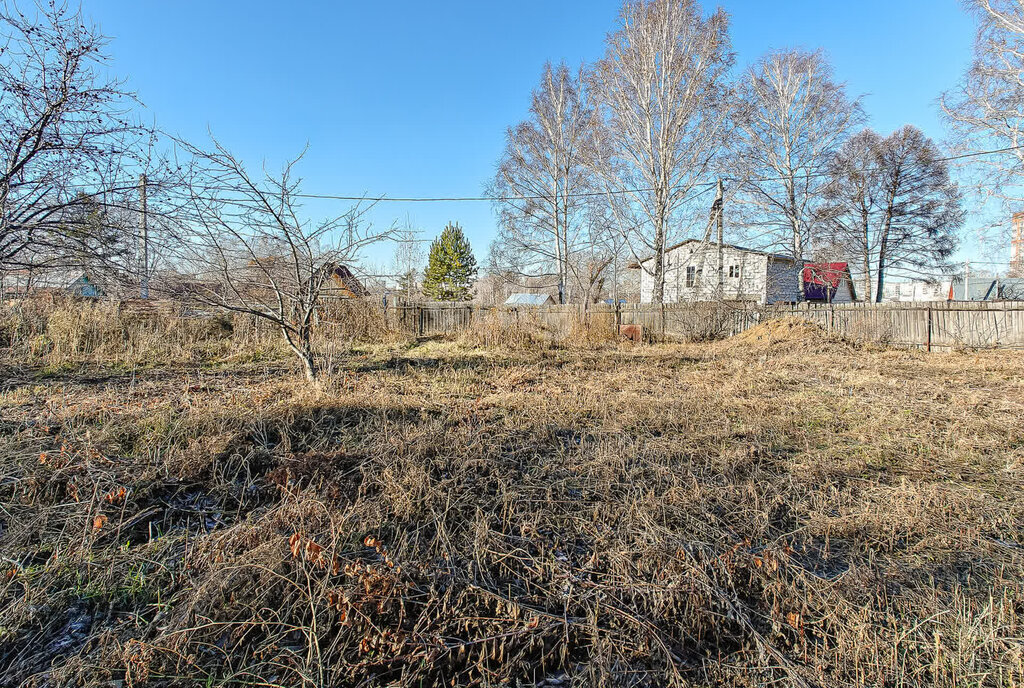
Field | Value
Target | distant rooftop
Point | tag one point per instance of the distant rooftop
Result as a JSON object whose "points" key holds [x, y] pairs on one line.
{"points": [[988, 289], [529, 300], [713, 245]]}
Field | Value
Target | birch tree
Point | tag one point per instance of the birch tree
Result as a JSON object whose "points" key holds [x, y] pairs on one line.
{"points": [[541, 182], [986, 109], [892, 202], [661, 86], [791, 117]]}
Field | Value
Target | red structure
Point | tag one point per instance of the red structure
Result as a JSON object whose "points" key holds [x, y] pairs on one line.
{"points": [[822, 282]]}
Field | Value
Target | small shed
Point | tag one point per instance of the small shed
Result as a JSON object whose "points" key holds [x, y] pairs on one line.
{"points": [[345, 284], [530, 300], [50, 280], [828, 283]]}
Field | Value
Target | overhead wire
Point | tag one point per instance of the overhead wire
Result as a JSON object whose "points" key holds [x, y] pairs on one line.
{"points": [[384, 198]]}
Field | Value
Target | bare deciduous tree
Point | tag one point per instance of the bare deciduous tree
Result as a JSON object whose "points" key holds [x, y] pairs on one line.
{"points": [[253, 252], [408, 261], [661, 84], [65, 137], [541, 178], [987, 108], [891, 200], [791, 117]]}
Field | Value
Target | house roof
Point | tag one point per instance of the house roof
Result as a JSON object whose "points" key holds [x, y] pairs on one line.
{"points": [[714, 244], [829, 274], [528, 300], [343, 276], [47, 278], [987, 289]]}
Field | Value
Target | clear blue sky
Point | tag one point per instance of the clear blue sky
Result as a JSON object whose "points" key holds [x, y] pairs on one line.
{"points": [[413, 99]]}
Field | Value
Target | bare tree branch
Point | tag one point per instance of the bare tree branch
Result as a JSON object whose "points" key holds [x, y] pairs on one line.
{"points": [[245, 239], [662, 87]]}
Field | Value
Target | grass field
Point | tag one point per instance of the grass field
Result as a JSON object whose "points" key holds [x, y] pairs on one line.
{"points": [[779, 507]]}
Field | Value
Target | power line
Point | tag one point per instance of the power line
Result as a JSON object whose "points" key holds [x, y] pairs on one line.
{"points": [[951, 158], [582, 194], [460, 199], [591, 194]]}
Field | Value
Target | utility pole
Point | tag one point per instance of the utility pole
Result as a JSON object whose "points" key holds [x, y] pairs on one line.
{"points": [[144, 239], [967, 280], [719, 201]]}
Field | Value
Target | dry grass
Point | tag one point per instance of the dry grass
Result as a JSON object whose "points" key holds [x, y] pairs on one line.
{"points": [[59, 331], [779, 507]]}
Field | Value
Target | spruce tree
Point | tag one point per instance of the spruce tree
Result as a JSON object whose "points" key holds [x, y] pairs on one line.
{"points": [[451, 267]]}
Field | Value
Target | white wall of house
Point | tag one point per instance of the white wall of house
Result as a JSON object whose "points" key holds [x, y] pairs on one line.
{"points": [[691, 274], [915, 290]]}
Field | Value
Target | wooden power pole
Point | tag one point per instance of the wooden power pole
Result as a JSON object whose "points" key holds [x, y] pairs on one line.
{"points": [[144, 240]]}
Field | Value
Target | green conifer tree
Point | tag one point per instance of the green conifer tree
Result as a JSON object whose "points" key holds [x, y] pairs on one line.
{"points": [[451, 267]]}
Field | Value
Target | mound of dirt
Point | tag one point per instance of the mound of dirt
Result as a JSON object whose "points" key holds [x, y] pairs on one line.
{"points": [[788, 332]]}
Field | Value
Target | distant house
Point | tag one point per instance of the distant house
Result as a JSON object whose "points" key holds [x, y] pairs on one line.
{"points": [[530, 300], [828, 283], [987, 289], [915, 291], [691, 274], [344, 284], [178, 285], [49, 281], [341, 283]]}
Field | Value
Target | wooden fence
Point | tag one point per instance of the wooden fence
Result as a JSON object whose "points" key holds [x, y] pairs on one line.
{"points": [[930, 326]]}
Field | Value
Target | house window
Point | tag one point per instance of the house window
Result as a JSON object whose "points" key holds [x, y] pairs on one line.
{"points": [[734, 271], [692, 275]]}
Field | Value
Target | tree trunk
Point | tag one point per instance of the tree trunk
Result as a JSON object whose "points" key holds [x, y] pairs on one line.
{"points": [[883, 252], [867, 278], [303, 349], [658, 296], [881, 275], [308, 364], [559, 257], [798, 259], [798, 235], [866, 251]]}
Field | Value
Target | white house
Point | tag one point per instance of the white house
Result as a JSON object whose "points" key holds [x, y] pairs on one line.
{"points": [[691, 274], [915, 290]]}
